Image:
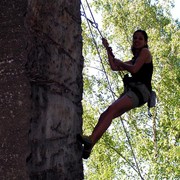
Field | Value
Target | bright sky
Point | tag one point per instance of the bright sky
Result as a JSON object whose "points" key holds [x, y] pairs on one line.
{"points": [[176, 10]]}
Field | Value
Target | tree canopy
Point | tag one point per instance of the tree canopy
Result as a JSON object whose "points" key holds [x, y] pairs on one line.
{"points": [[154, 140]]}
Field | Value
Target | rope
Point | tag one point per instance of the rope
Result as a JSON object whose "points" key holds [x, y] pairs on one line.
{"points": [[95, 25], [98, 50], [94, 19]]}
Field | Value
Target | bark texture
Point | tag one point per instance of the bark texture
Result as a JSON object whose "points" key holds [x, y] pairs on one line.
{"points": [[14, 91], [55, 65]]}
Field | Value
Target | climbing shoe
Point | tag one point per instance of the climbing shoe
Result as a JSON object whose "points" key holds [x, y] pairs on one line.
{"points": [[88, 145]]}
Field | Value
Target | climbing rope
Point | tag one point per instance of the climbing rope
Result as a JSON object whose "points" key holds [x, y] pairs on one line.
{"points": [[95, 25], [95, 43]]}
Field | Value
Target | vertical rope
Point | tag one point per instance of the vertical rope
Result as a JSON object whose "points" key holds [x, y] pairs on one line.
{"points": [[113, 94], [94, 19], [110, 88]]}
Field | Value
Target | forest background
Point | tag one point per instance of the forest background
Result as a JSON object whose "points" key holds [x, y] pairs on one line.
{"points": [[136, 146]]}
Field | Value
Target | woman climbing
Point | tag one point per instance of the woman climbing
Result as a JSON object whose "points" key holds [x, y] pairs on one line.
{"points": [[137, 88]]}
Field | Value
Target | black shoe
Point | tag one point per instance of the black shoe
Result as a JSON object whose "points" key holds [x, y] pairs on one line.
{"points": [[88, 145]]}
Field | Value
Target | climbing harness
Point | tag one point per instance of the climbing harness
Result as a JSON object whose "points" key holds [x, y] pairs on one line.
{"points": [[131, 83], [95, 25]]}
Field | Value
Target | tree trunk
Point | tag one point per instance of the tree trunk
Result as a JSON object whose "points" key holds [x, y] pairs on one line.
{"points": [[14, 91], [55, 65]]}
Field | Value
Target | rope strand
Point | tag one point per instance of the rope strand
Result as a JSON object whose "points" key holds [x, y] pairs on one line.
{"points": [[113, 94], [99, 54], [94, 19]]}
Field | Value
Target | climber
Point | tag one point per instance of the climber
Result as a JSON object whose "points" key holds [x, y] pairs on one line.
{"points": [[137, 88]]}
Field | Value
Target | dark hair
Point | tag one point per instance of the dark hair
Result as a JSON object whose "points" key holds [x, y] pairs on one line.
{"points": [[145, 37], [143, 32]]}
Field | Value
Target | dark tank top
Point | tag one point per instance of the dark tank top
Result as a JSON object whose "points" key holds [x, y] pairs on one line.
{"points": [[144, 74]]}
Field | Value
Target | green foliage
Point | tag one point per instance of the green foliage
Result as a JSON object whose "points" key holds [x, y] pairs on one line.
{"points": [[155, 141]]}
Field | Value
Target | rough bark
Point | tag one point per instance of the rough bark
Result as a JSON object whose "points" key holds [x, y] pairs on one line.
{"points": [[55, 68], [14, 91]]}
